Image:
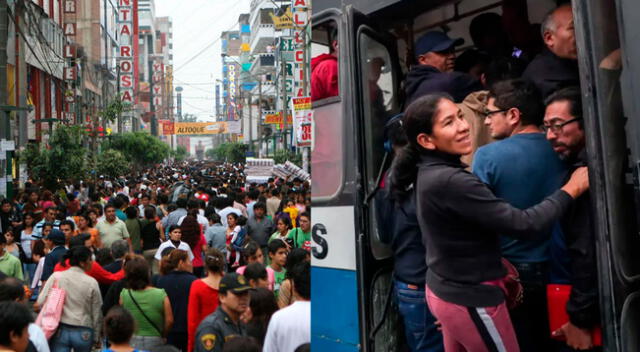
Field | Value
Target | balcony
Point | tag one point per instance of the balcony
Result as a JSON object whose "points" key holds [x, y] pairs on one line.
{"points": [[262, 35]]}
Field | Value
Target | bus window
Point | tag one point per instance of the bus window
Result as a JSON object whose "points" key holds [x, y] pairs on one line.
{"points": [[380, 99], [327, 166]]}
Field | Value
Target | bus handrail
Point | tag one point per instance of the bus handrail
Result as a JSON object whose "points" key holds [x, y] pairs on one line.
{"points": [[457, 16]]}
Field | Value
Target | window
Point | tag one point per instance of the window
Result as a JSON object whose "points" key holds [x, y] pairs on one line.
{"points": [[379, 98], [327, 159]]}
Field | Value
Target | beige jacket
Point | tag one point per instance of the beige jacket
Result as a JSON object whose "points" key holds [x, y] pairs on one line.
{"points": [[473, 108]]}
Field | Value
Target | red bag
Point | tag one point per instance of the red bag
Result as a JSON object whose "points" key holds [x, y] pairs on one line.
{"points": [[512, 287], [557, 298], [49, 317]]}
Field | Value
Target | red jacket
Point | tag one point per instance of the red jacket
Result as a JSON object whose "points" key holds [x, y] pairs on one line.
{"points": [[324, 77], [96, 272]]}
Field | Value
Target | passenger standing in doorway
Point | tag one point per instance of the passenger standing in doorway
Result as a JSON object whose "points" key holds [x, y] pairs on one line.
{"points": [[565, 130], [460, 220], [557, 66], [435, 56], [522, 168]]}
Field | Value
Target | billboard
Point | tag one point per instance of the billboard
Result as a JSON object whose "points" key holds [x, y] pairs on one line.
{"points": [[195, 128]]}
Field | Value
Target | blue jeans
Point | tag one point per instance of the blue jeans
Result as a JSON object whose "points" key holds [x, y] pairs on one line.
{"points": [[78, 338], [422, 335]]}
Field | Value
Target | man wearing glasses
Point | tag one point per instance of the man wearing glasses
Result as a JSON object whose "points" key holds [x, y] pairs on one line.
{"points": [[522, 168], [564, 129]]}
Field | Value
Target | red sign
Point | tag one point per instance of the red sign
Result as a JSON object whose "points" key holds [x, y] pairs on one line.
{"points": [[167, 128]]}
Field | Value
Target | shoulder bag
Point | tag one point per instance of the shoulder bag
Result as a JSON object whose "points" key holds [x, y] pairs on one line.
{"points": [[144, 315]]}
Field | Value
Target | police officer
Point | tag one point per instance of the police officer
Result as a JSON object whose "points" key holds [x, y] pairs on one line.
{"points": [[224, 323]]}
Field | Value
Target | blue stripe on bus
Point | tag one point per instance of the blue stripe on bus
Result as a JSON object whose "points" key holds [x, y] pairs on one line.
{"points": [[334, 306]]}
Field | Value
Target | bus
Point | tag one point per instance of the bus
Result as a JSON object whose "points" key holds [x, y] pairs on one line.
{"points": [[351, 266]]}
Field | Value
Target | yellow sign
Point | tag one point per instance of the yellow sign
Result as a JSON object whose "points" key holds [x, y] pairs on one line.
{"points": [[276, 119], [191, 128], [283, 22]]}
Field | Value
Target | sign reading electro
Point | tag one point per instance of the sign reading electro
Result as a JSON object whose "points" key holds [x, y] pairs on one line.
{"points": [[231, 107]]}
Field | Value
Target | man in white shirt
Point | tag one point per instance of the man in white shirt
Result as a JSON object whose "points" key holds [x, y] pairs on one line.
{"points": [[290, 327]]}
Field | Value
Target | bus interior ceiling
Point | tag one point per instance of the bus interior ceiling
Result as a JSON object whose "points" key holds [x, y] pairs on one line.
{"points": [[453, 17]]}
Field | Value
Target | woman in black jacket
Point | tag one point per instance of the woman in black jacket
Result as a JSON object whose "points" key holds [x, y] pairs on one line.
{"points": [[460, 220]]}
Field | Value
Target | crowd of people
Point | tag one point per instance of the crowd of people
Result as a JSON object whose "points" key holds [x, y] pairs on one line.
{"points": [[180, 257], [486, 203]]}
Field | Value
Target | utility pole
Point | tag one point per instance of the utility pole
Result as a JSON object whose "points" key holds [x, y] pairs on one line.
{"points": [[284, 101], [250, 125], [6, 126], [260, 116], [154, 124]]}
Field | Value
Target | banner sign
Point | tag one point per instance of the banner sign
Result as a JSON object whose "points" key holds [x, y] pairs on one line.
{"points": [[276, 119], [302, 121], [194, 128]]}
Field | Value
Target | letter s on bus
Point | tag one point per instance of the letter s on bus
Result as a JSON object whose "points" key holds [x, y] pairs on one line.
{"points": [[317, 232]]}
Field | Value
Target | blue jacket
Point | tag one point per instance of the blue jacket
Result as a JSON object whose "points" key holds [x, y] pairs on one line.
{"points": [[423, 80], [50, 261]]}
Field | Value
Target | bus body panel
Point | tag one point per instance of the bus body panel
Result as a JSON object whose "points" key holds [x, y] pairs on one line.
{"points": [[334, 322]]}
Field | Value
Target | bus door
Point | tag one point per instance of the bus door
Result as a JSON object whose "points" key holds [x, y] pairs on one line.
{"points": [[334, 286], [609, 59], [376, 73]]}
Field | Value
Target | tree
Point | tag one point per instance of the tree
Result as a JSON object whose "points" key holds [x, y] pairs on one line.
{"points": [[282, 155], [113, 163], [141, 148], [189, 118], [180, 153], [113, 110], [62, 159], [231, 152]]}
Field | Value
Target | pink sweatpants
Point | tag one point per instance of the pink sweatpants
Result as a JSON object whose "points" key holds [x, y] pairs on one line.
{"points": [[473, 329]]}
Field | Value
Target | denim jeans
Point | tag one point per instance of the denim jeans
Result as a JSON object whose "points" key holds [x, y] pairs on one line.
{"points": [[78, 338], [422, 335]]}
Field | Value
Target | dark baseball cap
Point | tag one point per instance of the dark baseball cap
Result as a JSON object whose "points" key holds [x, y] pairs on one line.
{"points": [[56, 236], [436, 41], [234, 282]]}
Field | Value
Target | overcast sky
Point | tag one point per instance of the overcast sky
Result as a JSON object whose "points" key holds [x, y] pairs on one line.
{"points": [[197, 25]]}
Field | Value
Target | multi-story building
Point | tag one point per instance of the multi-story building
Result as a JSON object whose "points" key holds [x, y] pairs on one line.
{"points": [[163, 104]]}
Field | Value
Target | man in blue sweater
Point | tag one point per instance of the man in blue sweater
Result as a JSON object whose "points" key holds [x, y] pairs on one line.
{"points": [[522, 168]]}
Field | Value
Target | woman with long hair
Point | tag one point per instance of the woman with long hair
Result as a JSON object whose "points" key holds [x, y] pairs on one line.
{"points": [[295, 257], [150, 306], [262, 305], [86, 225], [81, 317], [176, 280], [27, 243], [192, 234], [283, 225], [203, 297], [461, 220]]}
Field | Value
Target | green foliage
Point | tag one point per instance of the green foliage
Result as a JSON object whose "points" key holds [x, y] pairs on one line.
{"points": [[113, 163], [141, 148], [113, 110], [231, 152], [62, 159], [282, 155], [180, 153]]}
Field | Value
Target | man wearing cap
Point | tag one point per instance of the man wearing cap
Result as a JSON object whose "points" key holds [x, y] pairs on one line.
{"points": [[434, 73], [224, 323], [55, 242]]}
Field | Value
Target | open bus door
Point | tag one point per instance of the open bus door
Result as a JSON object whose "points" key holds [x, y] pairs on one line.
{"points": [[351, 267], [376, 73], [611, 108]]}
